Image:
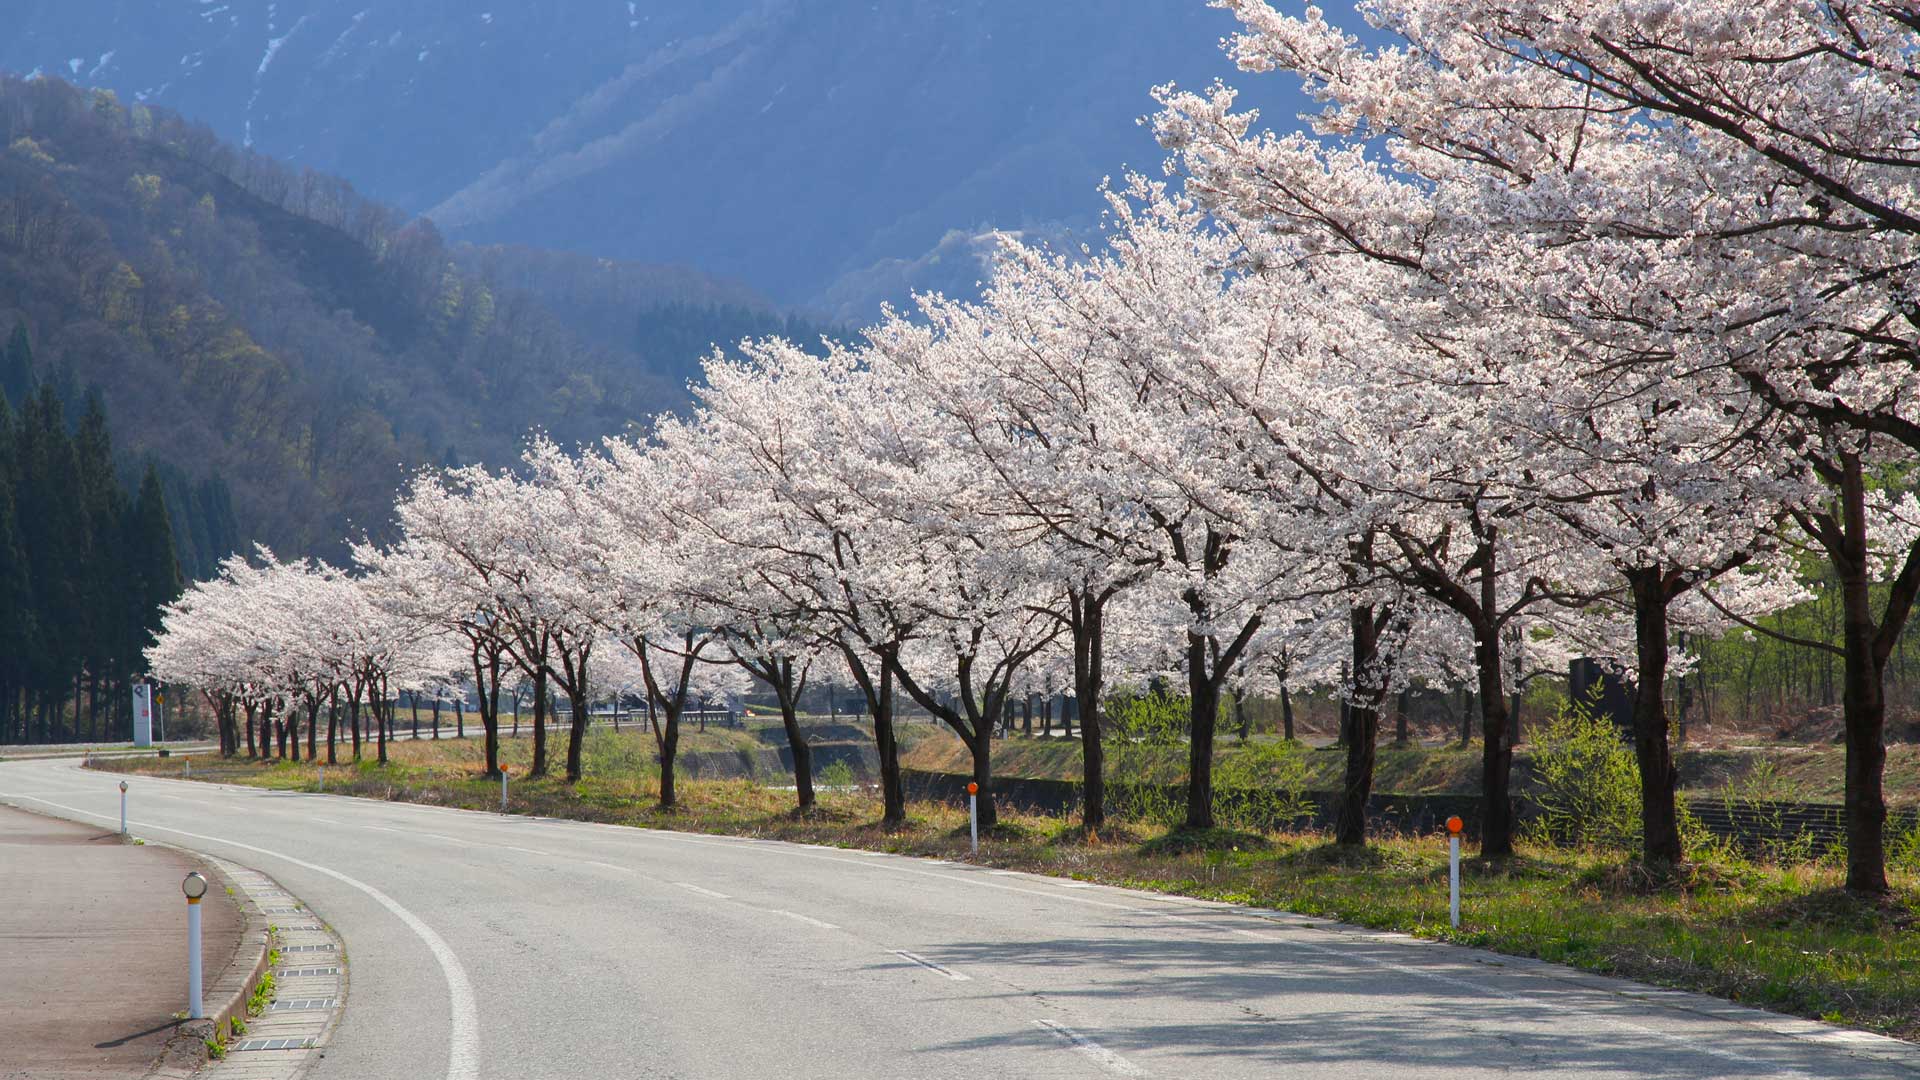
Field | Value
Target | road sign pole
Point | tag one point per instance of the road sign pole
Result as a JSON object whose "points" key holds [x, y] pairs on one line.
{"points": [[123, 808], [195, 886], [1454, 825], [973, 814], [503, 789]]}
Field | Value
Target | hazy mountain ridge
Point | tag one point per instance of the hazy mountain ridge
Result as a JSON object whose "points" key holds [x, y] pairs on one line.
{"points": [[305, 343], [821, 151]]}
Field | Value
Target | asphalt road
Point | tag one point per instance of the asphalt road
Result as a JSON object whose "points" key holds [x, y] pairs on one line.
{"points": [[482, 946]]}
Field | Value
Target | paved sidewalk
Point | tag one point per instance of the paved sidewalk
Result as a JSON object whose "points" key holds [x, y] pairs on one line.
{"points": [[93, 935]]}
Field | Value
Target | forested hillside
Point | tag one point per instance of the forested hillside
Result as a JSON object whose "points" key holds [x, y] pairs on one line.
{"points": [[274, 333]]}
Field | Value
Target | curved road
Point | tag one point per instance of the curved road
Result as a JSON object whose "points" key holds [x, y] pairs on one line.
{"points": [[482, 946]]}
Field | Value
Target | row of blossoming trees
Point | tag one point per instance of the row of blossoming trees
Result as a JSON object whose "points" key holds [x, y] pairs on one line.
{"points": [[1575, 326]]}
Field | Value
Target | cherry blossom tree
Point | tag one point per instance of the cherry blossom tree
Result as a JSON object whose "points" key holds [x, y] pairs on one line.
{"points": [[1725, 189]]}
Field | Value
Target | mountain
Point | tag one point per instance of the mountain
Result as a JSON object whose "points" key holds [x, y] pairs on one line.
{"points": [[829, 153], [271, 334]]}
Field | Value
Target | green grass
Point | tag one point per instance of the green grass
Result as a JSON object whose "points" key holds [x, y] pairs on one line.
{"points": [[1792, 772], [1783, 937], [263, 991]]}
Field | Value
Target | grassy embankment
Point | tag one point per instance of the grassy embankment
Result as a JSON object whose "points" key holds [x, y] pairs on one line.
{"points": [[1779, 936], [1807, 773]]}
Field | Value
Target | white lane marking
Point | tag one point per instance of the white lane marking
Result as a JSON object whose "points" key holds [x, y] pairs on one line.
{"points": [[1076, 884], [895, 868], [931, 966], [469, 843], [1689, 1042], [463, 1038], [690, 887], [808, 919], [1102, 1056]]}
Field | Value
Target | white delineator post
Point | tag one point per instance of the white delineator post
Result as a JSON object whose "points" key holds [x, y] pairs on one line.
{"points": [[973, 814], [195, 887], [123, 808], [503, 789], [1454, 825]]}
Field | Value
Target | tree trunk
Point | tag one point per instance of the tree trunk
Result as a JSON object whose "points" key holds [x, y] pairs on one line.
{"points": [[577, 729], [1659, 823], [1362, 729], [353, 720], [333, 725], [382, 717], [1496, 756], [893, 791], [251, 710], [796, 739], [313, 723], [486, 686], [539, 725], [1401, 702], [667, 744], [1286, 712], [1863, 691], [981, 747], [879, 697], [490, 715], [1089, 649], [1204, 697]]}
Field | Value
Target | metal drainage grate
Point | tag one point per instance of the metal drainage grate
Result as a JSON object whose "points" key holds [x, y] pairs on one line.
{"points": [[273, 1044], [302, 1004], [307, 948], [297, 972]]}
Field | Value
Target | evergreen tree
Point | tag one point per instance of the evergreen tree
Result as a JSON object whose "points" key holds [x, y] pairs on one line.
{"points": [[153, 578], [98, 554], [53, 528], [16, 368], [17, 637]]}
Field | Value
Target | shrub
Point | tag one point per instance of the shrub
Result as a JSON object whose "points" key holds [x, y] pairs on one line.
{"points": [[1586, 782], [837, 774], [1262, 786]]}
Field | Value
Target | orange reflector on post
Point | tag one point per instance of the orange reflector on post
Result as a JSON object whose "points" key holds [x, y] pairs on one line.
{"points": [[973, 788], [1454, 824]]}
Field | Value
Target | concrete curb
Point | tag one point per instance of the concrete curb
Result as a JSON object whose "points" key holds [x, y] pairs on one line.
{"points": [[227, 991]]}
